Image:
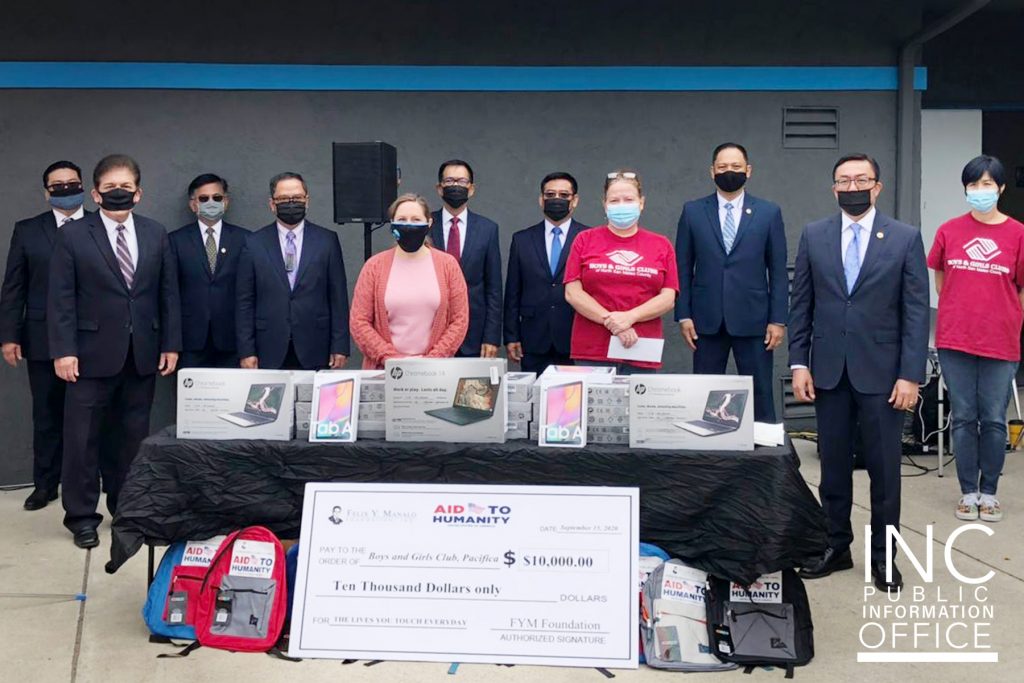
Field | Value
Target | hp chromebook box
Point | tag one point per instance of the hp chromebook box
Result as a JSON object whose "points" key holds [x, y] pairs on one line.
{"points": [[235, 404], [722, 414], [691, 412]]}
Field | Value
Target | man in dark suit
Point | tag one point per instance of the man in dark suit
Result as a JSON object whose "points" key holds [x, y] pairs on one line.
{"points": [[859, 319], [473, 240], [23, 321], [292, 293], [731, 252], [538, 321], [114, 320], [206, 252]]}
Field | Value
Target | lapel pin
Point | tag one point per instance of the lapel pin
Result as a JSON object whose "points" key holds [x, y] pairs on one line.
{"points": [[749, 212], [879, 235], [224, 250]]}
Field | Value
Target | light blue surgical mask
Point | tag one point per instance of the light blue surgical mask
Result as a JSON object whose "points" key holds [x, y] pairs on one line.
{"points": [[67, 203], [211, 210], [623, 216], [982, 200]]}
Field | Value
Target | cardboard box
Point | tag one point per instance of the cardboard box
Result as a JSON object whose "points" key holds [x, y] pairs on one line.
{"points": [[692, 412], [608, 438], [520, 412], [608, 429], [594, 374], [215, 403], [455, 400], [520, 386], [303, 414], [608, 420], [372, 411], [371, 386], [303, 382]]}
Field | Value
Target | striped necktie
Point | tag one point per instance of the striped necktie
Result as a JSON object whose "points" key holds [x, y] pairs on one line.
{"points": [[729, 229], [124, 258], [211, 250]]}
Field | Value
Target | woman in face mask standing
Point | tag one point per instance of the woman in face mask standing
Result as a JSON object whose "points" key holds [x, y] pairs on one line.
{"points": [[978, 259], [620, 278], [409, 301]]}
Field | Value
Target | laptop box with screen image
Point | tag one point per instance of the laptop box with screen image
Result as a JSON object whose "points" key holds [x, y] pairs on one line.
{"points": [[474, 401], [262, 406], [723, 413]]}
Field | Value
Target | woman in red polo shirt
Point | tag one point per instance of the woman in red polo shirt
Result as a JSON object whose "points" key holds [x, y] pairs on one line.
{"points": [[620, 278], [978, 259]]}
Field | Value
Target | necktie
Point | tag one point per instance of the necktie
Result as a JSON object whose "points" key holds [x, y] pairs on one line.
{"points": [[211, 250], [454, 238], [67, 219], [851, 262], [729, 229], [556, 248], [290, 258], [124, 258]]}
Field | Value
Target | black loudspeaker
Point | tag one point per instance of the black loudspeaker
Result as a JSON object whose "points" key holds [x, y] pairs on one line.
{"points": [[365, 181]]}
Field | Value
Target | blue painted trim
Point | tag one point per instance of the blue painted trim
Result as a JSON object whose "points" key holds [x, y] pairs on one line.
{"points": [[183, 76]]}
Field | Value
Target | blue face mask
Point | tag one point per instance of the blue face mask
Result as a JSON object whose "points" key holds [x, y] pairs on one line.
{"points": [[982, 200], [623, 216], [67, 203]]}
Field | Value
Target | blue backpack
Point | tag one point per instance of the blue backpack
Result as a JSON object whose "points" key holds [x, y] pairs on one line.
{"points": [[171, 602]]}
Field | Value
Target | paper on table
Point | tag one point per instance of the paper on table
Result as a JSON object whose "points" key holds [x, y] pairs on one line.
{"points": [[645, 349], [767, 434]]}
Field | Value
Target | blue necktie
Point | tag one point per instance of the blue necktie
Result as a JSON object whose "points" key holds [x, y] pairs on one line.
{"points": [[851, 263], [556, 248], [290, 258], [729, 229]]}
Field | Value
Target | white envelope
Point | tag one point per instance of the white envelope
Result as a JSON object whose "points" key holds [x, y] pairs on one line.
{"points": [[645, 349]]}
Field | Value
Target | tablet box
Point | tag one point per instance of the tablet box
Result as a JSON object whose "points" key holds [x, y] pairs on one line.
{"points": [[457, 400], [520, 412], [595, 374], [691, 412], [371, 386], [217, 403], [303, 381], [518, 430], [608, 438], [608, 419], [372, 412], [520, 386]]}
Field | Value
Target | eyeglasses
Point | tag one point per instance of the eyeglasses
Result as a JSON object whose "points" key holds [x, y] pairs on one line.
{"points": [[284, 200], [565, 194], [861, 182], [59, 187], [628, 175], [461, 182], [203, 198]]}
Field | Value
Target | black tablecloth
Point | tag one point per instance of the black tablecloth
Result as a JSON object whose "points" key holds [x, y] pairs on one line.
{"points": [[736, 514]]}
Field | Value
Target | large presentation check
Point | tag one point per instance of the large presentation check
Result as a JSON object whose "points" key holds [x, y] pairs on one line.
{"points": [[449, 573]]}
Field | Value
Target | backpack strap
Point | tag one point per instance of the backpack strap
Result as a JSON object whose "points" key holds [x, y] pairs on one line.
{"points": [[224, 545], [192, 647], [789, 670], [748, 669], [605, 672], [279, 649]]}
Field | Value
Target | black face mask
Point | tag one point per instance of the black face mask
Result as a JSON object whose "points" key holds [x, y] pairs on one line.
{"points": [[855, 202], [730, 181], [291, 213], [455, 195], [556, 208], [410, 236], [117, 200]]}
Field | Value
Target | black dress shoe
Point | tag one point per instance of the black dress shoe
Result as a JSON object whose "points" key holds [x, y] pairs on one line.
{"points": [[87, 538], [38, 499], [832, 561], [878, 574]]}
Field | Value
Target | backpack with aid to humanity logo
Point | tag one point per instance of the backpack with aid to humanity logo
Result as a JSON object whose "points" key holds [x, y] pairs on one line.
{"points": [[244, 594], [673, 620], [170, 609], [767, 623]]}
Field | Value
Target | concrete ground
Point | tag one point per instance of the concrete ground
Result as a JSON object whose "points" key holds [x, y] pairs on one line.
{"points": [[104, 639]]}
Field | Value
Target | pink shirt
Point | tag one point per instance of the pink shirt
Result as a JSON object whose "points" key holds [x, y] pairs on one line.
{"points": [[412, 298]]}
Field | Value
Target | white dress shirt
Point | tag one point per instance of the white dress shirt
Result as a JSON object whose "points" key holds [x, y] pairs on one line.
{"points": [[61, 218], [203, 227], [446, 224], [282, 235], [737, 209], [549, 236], [129, 235], [866, 223]]}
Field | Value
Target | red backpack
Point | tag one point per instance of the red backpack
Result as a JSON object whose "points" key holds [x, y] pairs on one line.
{"points": [[244, 595]]}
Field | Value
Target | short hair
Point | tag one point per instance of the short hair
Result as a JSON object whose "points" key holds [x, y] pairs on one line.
{"points": [[56, 166], [616, 176], [206, 179], [409, 197], [560, 175], [979, 165], [287, 175], [729, 145], [858, 157], [454, 162], [112, 161], [336, 507]]}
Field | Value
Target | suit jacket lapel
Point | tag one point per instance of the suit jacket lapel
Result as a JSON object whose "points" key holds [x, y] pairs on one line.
{"points": [[875, 246], [471, 236], [437, 231], [835, 250], [539, 237], [272, 244], [143, 247], [310, 242], [98, 232], [749, 208], [574, 229], [711, 205], [50, 227]]}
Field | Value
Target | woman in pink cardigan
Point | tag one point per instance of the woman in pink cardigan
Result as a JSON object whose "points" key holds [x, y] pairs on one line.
{"points": [[410, 301]]}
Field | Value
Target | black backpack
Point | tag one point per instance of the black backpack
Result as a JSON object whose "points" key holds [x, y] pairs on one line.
{"points": [[753, 626]]}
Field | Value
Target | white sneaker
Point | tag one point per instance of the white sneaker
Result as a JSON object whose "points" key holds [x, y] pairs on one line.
{"points": [[990, 510], [967, 508]]}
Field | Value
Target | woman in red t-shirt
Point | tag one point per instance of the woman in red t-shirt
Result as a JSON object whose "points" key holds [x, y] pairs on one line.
{"points": [[620, 278], [978, 259]]}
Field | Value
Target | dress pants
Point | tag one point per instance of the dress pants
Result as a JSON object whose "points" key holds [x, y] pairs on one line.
{"points": [[105, 420], [839, 411], [539, 362], [47, 424], [712, 357]]}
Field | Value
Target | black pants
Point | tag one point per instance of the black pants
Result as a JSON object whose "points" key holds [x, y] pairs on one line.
{"points": [[839, 411], [105, 420], [712, 357], [47, 424], [539, 362]]}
